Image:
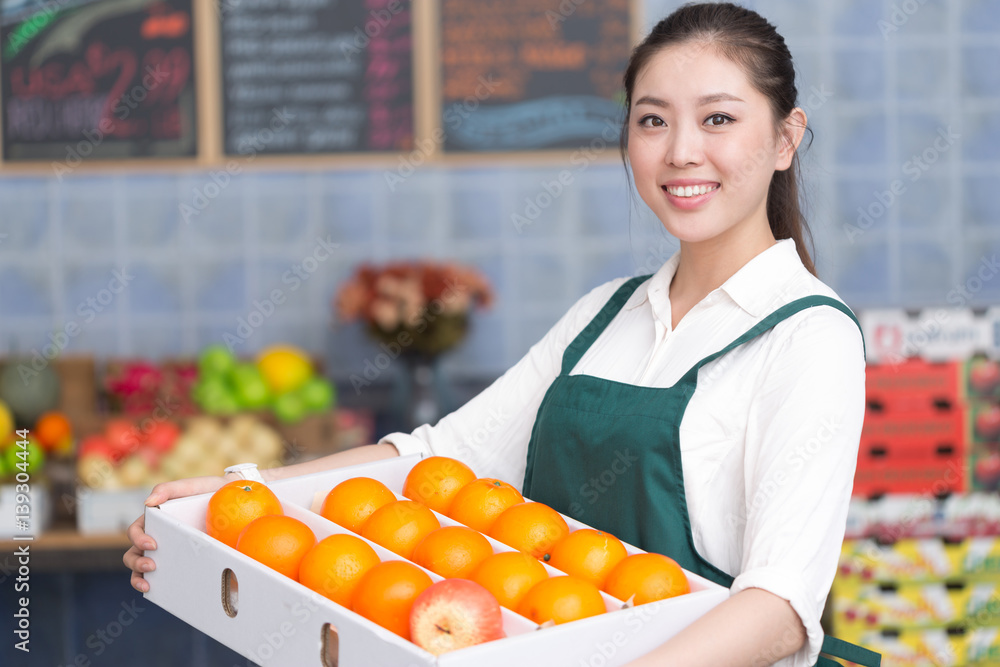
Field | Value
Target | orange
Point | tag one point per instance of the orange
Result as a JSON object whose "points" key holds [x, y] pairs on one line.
{"points": [[589, 554], [352, 501], [386, 593], [335, 565], [278, 541], [452, 551], [479, 503], [530, 527], [235, 505], [648, 577], [399, 526], [509, 575], [434, 481], [54, 432], [561, 599]]}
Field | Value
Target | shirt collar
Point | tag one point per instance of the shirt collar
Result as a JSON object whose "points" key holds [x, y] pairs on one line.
{"points": [[752, 288]]}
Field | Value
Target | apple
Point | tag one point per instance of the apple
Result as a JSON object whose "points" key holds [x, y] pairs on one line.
{"points": [[317, 394], [987, 471], [162, 436], [289, 407], [454, 613], [28, 458], [984, 375], [98, 445], [251, 388], [988, 422], [123, 436], [215, 360]]}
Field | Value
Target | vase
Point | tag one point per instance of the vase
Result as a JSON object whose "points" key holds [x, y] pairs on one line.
{"points": [[422, 395]]}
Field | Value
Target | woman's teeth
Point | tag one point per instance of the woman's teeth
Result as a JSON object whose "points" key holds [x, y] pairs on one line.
{"points": [[690, 190]]}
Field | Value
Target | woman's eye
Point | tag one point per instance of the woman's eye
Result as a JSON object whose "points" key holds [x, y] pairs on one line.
{"points": [[652, 121], [718, 119]]}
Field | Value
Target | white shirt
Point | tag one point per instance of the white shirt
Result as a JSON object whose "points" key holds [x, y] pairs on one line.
{"points": [[769, 441]]}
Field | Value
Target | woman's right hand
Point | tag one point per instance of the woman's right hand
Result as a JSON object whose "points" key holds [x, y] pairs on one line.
{"points": [[134, 558]]}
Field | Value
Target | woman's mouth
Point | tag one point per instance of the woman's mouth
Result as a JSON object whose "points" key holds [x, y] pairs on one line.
{"points": [[690, 196]]}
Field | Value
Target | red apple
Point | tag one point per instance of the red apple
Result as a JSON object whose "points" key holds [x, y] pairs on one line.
{"points": [[454, 613], [98, 445], [984, 375], [123, 435], [162, 436], [988, 422], [987, 471]]}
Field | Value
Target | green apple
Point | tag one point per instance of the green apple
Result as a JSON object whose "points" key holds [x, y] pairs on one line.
{"points": [[16, 457], [318, 394], [289, 407], [215, 360], [250, 386]]}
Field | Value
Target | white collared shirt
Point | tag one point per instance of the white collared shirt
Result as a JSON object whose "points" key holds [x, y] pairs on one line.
{"points": [[769, 440]]}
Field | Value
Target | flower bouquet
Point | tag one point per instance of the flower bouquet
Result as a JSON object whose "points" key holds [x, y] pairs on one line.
{"points": [[420, 306]]}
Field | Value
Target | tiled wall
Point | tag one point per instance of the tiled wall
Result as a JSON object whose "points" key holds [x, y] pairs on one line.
{"points": [[874, 100]]}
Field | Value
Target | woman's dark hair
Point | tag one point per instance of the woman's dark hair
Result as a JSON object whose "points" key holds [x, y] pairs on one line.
{"points": [[746, 38]]}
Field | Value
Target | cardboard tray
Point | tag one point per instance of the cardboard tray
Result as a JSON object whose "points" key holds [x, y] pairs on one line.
{"points": [[273, 620]]}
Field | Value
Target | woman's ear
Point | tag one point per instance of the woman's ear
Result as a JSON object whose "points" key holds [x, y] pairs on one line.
{"points": [[792, 131]]}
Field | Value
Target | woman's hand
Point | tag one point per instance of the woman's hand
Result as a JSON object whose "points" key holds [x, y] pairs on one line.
{"points": [[141, 542]]}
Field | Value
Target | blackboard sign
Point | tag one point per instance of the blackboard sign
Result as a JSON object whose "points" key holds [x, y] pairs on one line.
{"points": [[97, 79], [522, 74], [317, 76]]}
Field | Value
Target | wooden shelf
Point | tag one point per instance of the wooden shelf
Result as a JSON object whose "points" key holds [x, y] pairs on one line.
{"points": [[63, 549]]}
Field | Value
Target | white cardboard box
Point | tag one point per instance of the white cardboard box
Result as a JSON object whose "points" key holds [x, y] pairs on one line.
{"points": [[278, 621], [39, 507]]}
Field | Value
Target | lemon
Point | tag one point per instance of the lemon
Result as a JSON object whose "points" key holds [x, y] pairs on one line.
{"points": [[284, 367]]}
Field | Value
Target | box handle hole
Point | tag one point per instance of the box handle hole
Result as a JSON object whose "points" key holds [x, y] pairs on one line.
{"points": [[330, 646], [230, 593]]}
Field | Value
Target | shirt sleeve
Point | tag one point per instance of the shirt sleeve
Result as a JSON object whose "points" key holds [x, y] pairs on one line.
{"points": [[801, 452], [490, 433]]}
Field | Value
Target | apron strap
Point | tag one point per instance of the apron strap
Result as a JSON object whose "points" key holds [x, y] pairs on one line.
{"points": [[575, 351], [838, 648], [770, 321]]}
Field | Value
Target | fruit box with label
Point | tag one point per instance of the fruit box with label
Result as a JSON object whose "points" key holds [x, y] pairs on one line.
{"points": [[274, 620]]}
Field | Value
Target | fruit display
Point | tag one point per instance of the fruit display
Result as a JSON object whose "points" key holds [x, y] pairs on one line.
{"points": [[130, 454], [137, 387], [282, 379]]}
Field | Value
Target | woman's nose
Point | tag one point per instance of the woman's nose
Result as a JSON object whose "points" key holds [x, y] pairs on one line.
{"points": [[684, 147]]}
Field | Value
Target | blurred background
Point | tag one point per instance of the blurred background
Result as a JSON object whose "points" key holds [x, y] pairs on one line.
{"points": [[234, 248]]}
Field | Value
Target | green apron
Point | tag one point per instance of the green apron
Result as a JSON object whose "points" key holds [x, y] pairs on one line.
{"points": [[608, 453]]}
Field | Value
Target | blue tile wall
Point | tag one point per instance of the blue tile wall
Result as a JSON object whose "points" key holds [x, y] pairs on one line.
{"points": [[205, 250]]}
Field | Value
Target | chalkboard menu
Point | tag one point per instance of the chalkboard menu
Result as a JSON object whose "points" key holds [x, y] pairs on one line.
{"points": [[317, 76], [522, 74], [97, 79]]}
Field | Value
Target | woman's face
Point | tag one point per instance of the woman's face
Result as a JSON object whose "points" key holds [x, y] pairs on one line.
{"points": [[702, 145]]}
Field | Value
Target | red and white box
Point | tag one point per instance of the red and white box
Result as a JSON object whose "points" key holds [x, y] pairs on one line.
{"points": [[274, 620]]}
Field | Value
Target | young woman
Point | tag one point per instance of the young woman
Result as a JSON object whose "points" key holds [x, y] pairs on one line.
{"points": [[711, 411]]}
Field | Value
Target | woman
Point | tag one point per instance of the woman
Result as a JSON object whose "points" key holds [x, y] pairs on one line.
{"points": [[710, 411]]}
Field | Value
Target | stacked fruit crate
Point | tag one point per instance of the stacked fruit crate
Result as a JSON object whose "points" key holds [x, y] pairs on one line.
{"points": [[919, 577], [913, 440]]}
